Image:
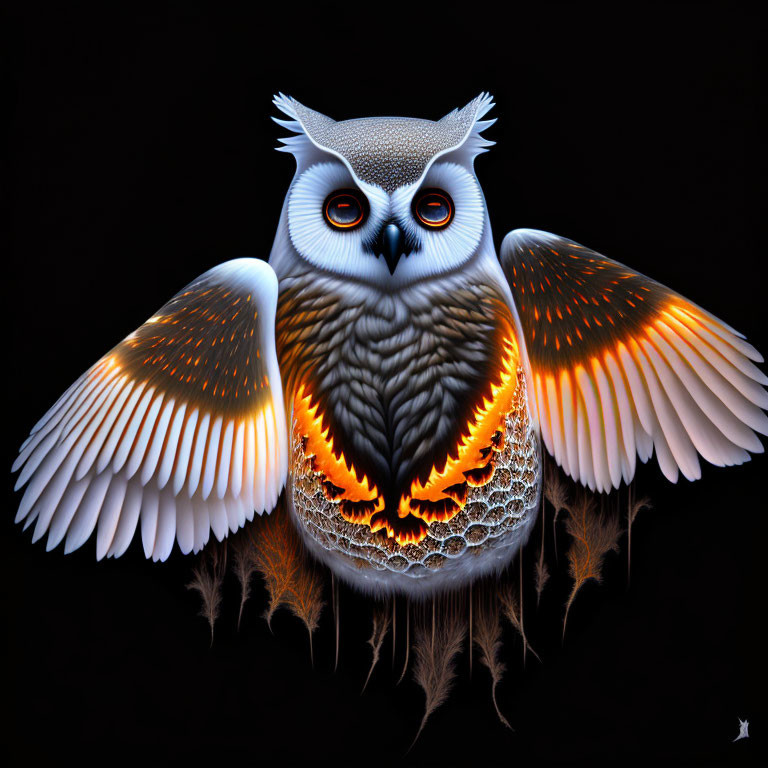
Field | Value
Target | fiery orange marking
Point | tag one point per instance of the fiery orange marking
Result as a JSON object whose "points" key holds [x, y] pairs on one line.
{"points": [[487, 419], [336, 468], [462, 466]]}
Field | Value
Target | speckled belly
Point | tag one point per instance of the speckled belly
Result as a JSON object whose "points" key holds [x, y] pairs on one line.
{"points": [[482, 536]]}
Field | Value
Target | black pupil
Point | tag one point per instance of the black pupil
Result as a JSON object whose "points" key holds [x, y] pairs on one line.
{"points": [[434, 209], [344, 210]]}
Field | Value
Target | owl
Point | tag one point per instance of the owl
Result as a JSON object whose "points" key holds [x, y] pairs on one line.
{"points": [[389, 376]]}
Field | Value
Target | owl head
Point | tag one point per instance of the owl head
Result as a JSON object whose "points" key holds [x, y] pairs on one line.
{"points": [[383, 200]]}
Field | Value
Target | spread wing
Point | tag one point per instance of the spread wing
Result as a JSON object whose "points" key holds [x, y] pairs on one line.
{"points": [[623, 365], [179, 429]]}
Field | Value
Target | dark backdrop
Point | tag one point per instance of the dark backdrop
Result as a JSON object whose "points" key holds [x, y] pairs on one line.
{"points": [[140, 155]]}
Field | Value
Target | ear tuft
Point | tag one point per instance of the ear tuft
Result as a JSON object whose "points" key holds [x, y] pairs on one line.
{"points": [[470, 116], [302, 122], [286, 104]]}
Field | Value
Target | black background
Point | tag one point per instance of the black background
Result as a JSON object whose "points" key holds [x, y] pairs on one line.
{"points": [[140, 154]]}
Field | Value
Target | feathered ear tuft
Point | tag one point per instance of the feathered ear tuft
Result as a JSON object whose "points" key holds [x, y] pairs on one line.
{"points": [[470, 116], [286, 105], [297, 145], [302, 122]]}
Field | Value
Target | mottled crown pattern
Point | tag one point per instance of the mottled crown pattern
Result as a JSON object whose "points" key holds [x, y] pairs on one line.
{"points": [[388, 152]]}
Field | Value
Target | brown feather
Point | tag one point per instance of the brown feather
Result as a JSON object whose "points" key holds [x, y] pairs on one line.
{"points": [[510, 607], [633, 507], [208, 576], [290, 577], [435, 664], [488, 640], [244, 567], [381, 622], [556, 493], [593, 535]]}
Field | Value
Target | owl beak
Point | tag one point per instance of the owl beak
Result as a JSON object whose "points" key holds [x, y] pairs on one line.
{"points": [[391, 241]]}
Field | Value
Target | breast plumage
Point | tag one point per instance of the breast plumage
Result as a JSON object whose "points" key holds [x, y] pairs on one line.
{"points": [[409, 426]]}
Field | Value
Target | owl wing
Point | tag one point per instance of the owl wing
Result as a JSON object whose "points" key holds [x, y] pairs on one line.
{"points": [[622, 365], [181, 427]]}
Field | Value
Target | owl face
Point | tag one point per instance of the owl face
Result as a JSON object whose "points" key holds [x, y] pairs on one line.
{"points": [[386, 201]]}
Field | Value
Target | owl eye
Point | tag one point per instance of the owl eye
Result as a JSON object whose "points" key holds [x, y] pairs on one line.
{"points": [[433, 208], [345, 209]]}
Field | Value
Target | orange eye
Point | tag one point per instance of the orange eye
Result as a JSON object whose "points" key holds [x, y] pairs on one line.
{"points": [[345, 209], [433, 208]]}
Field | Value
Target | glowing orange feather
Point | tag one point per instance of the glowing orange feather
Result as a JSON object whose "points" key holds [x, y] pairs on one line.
{"points": [[471, 449], [336, 469], [469, 463]]}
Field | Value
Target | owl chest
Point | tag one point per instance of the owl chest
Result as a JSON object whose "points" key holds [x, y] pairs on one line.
{"points": [[383, 394], [392, 381]]}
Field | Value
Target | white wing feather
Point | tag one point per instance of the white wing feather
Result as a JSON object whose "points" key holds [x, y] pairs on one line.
{"points": [[133, 444]]}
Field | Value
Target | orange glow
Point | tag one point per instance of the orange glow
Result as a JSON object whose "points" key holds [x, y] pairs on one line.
{"points": [[345, 482], [470, 464], [401, 537], [444, 494]]}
